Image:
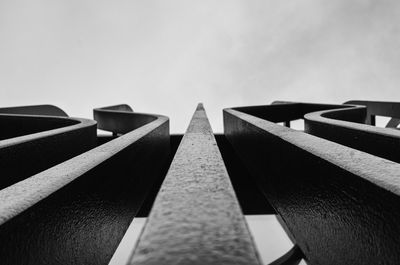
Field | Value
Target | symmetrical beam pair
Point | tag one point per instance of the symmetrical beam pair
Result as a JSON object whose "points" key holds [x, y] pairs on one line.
{"points": [[68, 196]]}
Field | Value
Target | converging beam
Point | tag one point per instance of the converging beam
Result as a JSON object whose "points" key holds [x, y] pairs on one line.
{"points": [[196, 218], [35, 138], [340, 205], [77, 211]]}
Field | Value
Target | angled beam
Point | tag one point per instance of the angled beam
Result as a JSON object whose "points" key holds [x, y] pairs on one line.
{"points": [[345, 126], [196, 218], [332, 198], [350, 125], [77, 211], [34, 138]]}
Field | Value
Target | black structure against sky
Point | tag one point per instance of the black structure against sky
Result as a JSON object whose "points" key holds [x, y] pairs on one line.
{"points": [[68, 195]]}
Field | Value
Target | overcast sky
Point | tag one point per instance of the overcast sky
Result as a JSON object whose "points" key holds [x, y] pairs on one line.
{"points": [[166, 56]]}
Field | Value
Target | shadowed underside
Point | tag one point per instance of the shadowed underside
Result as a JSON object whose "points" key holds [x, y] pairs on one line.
{"points": [[68, 195]]}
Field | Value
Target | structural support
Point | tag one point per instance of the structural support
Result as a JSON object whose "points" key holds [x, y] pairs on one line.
{"points": [[35, 138], [340, 205], [196, 218], [352, 126], [68, 195], [77, 211]]}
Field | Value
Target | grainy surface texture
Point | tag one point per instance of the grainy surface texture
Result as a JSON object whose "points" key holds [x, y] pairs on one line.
{"points": [[352, 127], [35, 138], [348, 124], [77, 211], [341, 205], [196, 218]]}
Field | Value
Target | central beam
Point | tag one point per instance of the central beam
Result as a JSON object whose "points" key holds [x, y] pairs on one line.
{"points": [[196, 218]]}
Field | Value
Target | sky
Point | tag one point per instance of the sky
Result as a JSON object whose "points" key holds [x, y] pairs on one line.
{"points": [[164, 57]]}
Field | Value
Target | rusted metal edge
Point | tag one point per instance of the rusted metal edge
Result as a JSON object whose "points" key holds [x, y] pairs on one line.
{"points": [[196, 218], [24, 194]]}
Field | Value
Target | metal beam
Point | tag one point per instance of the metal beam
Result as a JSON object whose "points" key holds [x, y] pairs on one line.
{"points": [[350, 125], [196, 218], [77, 211], [341, 205], [34, 138], [346, 126]]}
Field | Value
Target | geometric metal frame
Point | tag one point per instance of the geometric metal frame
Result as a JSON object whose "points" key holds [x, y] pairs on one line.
{"points": [[68, 196], [332, 198]]}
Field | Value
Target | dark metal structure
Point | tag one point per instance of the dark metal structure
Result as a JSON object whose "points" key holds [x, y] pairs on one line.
{"points": [[68, 195]]}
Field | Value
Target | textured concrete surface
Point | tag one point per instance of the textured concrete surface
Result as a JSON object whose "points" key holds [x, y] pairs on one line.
{"points": [[341, 205], [196, 218]]}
